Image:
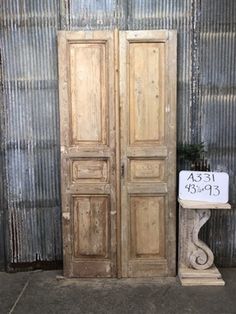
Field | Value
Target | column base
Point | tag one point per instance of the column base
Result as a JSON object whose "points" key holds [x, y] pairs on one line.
{"points": [[193, 277]]}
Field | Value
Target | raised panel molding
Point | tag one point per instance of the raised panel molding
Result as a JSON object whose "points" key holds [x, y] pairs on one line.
{"points": [[146, 96], [146, 170], [89, 81], [147, 226], [89, 170], [90, 226]]}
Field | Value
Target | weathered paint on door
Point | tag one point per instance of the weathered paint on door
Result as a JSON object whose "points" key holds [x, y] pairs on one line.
{"points": [[106, 235]]}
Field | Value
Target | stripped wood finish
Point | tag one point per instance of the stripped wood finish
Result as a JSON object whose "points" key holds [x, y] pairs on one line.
{"points": [[117, 95], [87, 111], [148, 109]]}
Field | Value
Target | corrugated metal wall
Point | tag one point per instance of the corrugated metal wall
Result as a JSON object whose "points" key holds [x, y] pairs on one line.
{"points": [[29, 53], [2, 173], [30, 140], [217, 113]]}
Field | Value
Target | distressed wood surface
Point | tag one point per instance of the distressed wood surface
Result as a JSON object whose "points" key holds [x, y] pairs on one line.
{"points": [[147, 100], [88, 139], [134, 149]]}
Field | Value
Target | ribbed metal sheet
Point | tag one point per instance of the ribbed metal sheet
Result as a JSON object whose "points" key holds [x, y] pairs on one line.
{"points": [[92, 14], [28, 40], [3, 205], [206, 105], [217, 95]]}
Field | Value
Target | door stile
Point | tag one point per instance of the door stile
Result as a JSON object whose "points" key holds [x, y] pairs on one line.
{"points": [[123, 81], [171, 57], [118, 169], [64, 145]]}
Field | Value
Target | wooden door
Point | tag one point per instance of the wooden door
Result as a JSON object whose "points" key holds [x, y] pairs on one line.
{"points": [[118, 138], [147, 100], [88, 174]]}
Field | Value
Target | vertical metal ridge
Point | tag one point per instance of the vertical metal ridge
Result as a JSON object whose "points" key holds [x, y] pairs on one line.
{"points": [[29, 52], [217, 95]]}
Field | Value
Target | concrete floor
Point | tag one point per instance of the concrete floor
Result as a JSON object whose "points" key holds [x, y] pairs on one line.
{"points": [[42, 292]]}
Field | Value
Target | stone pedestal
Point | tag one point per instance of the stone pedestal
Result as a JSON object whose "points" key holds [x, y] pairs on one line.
{"points": [[196, 260]]}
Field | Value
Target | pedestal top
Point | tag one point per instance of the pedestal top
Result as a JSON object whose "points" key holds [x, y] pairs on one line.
{"points": [[202, 205]]}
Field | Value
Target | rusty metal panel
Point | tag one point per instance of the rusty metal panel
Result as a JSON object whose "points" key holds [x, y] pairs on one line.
{"points": [[217, 108]]}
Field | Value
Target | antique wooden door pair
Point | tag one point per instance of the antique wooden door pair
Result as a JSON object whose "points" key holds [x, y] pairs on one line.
{"points": [[118, 142]]}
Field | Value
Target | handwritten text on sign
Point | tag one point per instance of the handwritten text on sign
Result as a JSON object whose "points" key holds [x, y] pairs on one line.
{"points": [[204, 186]]}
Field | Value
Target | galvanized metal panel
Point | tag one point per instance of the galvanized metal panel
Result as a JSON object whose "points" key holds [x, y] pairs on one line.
{"points": [[217, 100], [2, 173], [28, 37], [91, 14]]}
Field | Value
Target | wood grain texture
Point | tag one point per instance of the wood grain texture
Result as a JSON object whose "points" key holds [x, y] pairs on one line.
{"points": [[88, 144], [88, 85], [148, 109], [117, 103], [90, 226], [146, 170], [146, 94], [89, 170], [147, 226]]}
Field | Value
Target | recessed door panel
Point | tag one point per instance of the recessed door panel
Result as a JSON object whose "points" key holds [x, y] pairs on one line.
{"points": [[149, 170], [146, 94], [147, 101], [85, 170], [147, 226], [88, 82], [91, 226], [117, 120], [87, 111]]}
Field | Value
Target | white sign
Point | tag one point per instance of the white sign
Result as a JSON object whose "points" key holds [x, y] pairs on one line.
{"points": [[204, 186]]}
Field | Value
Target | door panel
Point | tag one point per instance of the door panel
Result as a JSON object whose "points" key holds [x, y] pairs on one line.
{"points": [[146, 118], [90, 222], [147, 226], [89, 170], [146, 170], [147, 89], [117, 115], [89, 105], [87, 110]]}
